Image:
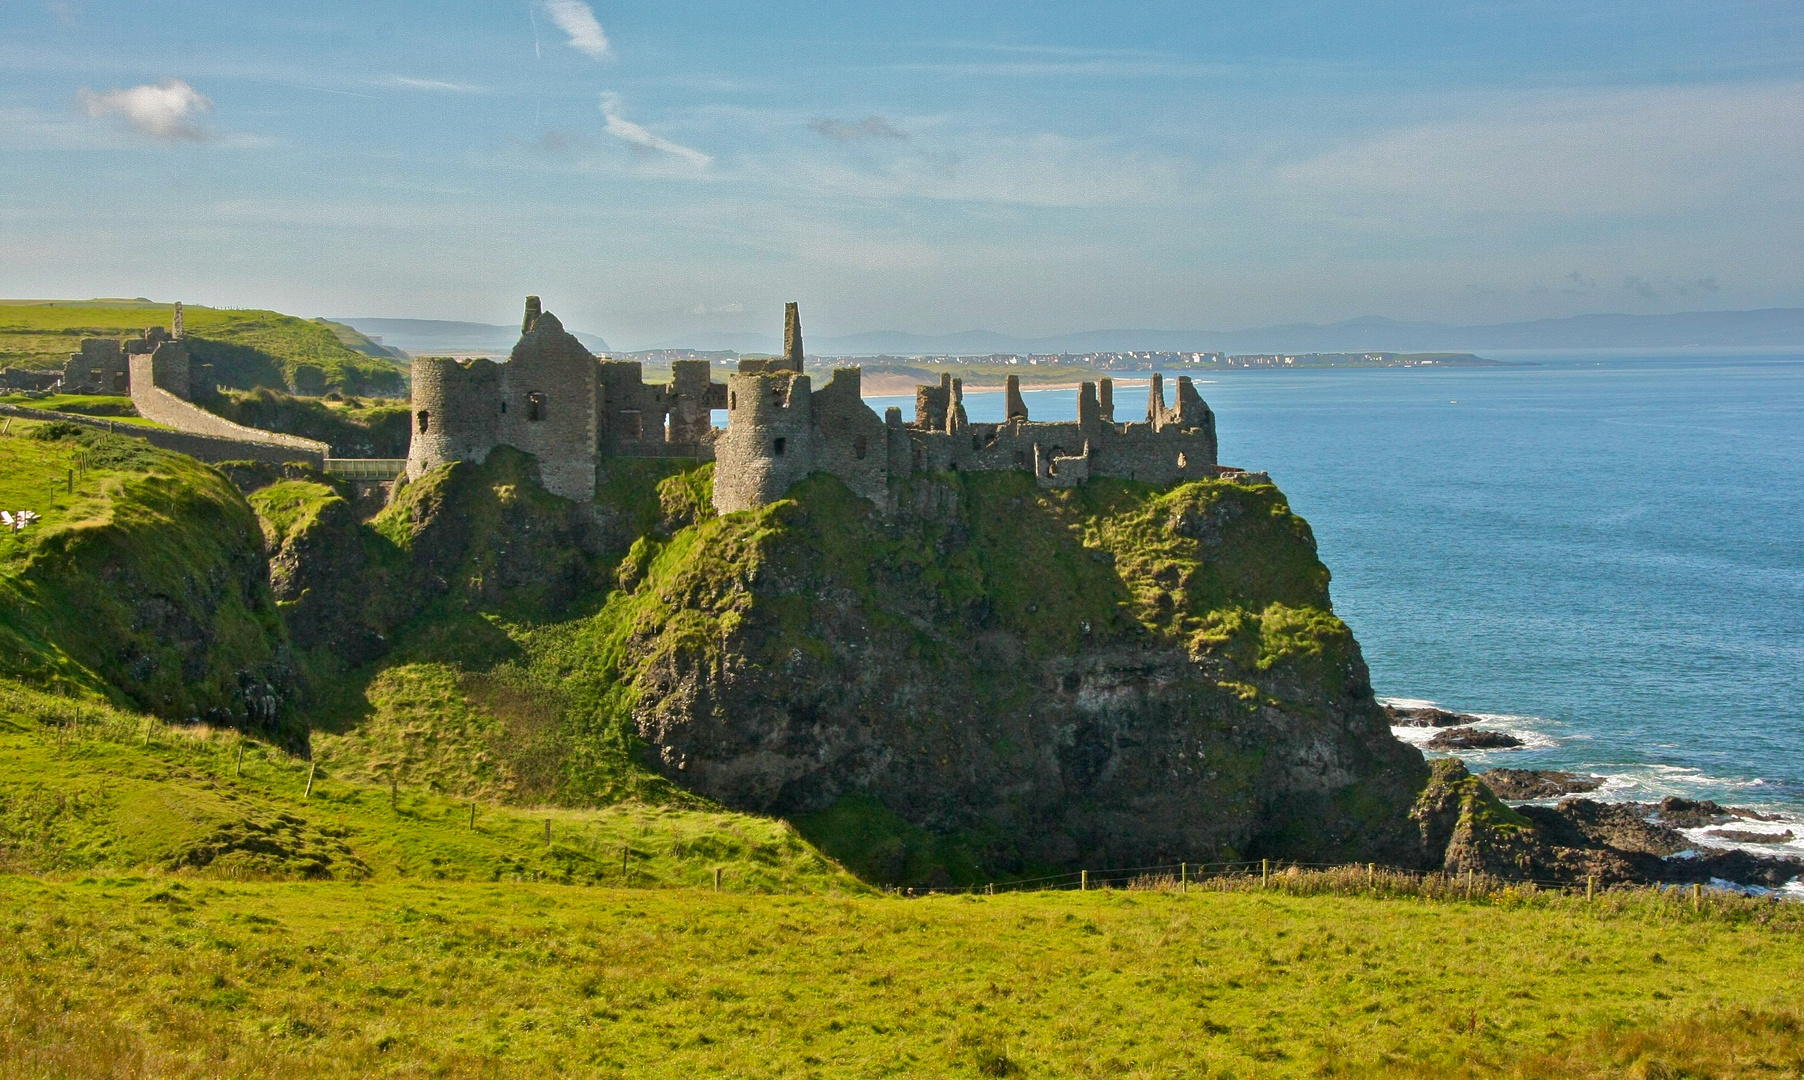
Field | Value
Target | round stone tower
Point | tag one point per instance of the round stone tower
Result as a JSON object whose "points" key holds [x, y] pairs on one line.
{"points": [[456, 412]]}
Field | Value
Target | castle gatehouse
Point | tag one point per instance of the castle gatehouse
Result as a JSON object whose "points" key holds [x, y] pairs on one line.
{"points": [[555, 400]]}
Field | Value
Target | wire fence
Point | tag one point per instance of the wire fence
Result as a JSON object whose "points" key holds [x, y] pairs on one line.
{"points": [[1340, 879]]}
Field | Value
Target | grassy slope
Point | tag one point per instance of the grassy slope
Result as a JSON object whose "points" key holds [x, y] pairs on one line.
{"points": [[247, 348], [88, 788], [129, 976], [140, 581]]}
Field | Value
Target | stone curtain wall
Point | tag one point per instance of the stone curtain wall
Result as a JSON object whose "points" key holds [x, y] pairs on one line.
{"points": [[206, 448], [158, 405]]}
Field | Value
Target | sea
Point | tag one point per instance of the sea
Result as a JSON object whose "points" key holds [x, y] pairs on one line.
{"points": [[1601, 553]]}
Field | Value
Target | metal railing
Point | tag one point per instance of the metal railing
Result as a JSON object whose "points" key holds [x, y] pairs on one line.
{"points": [[366, 468]]}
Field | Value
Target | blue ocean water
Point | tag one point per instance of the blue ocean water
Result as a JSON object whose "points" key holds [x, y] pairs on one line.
{"points": [[1603, 553]]}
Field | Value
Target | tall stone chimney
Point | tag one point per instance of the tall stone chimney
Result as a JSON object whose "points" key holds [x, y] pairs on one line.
{"points": [[792, 337], [1016, 406], [176, 332], [532, 315]]}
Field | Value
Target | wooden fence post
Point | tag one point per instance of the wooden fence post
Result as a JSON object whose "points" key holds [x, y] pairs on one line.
{"points": [[1083, 881], [1265, 873], [472, 815], [547, 832], [1590, 886], [1697, 897], [717, 879], [1184, 875], [312, 767], [238, 769]]}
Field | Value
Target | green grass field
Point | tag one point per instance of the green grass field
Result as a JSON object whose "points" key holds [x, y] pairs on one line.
{"points": [[247, 348], [161, 933], [144, 975]]}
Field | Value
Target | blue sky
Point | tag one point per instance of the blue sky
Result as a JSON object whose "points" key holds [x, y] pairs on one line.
{"points": [[662, 170]]}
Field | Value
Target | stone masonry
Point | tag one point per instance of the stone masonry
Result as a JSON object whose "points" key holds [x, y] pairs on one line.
{"points": [[779, 430], [570, 409]]}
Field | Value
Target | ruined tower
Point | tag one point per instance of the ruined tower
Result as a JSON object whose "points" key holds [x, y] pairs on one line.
{"points": [[792, 337]]}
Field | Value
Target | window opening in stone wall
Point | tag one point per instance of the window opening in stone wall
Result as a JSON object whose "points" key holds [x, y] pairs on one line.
{"points": [[535, 406], [777, 447], [1183, 462], [425, 421], [733, 400], [976, 442], [503, 406], [858, 447]]}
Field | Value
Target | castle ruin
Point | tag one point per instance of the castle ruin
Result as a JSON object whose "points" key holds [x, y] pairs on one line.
{"points": [[570, 409]]}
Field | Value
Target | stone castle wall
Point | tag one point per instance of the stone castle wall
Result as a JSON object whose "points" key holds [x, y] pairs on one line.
{"points": [[556, 401]]}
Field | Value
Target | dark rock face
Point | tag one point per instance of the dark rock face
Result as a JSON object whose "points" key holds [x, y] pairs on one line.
{"points": [[1426, 716], [1570, 842], [1472, 739], [1537, 783], [1064, 677]]}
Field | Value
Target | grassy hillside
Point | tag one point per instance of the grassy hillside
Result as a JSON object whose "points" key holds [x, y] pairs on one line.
{"points": [[247, 348], [477, 875], [144, 580]]}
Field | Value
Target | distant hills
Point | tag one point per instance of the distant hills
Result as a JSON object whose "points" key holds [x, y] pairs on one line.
{"points": [[1722, 329], [428, 336]]}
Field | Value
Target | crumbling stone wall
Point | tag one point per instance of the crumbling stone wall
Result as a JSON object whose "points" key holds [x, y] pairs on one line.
{"points": [[555, 400], [778, 432]]}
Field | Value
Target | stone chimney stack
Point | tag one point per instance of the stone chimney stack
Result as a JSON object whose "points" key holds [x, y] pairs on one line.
{"points": [[1016, 406], [176, 332], [1105, 396], [792, 337], [1155, 402], [532, 315]]}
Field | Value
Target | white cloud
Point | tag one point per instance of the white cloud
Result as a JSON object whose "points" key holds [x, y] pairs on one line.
{"points": [[407, 82], [577, 19], [163, 111], [622, 128]]}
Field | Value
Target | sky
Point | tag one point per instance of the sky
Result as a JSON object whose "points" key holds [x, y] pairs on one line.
{"points": [[657, 171]]}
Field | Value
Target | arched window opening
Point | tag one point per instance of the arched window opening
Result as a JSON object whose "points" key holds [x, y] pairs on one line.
{"points": [[535, 406], [1183, 461], [425, 421], [858, 447]]}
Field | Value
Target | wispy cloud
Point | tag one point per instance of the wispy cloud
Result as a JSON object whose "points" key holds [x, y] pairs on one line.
{"points": [[408, 82], [577, 20], [163, 111], [871, 127], [622, 128]]}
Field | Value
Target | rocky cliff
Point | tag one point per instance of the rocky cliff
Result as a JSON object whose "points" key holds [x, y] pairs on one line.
{"points": [[1107, 676]]}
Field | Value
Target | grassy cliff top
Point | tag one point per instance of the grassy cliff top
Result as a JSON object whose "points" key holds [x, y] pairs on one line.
{"points": [[247, 347]]}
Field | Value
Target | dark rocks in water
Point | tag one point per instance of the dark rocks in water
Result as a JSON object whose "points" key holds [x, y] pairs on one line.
{"points": [[1466, 738], [1426, 716], [1574, 840], [1743, 836], [1687, 814], [1538, 783]]}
